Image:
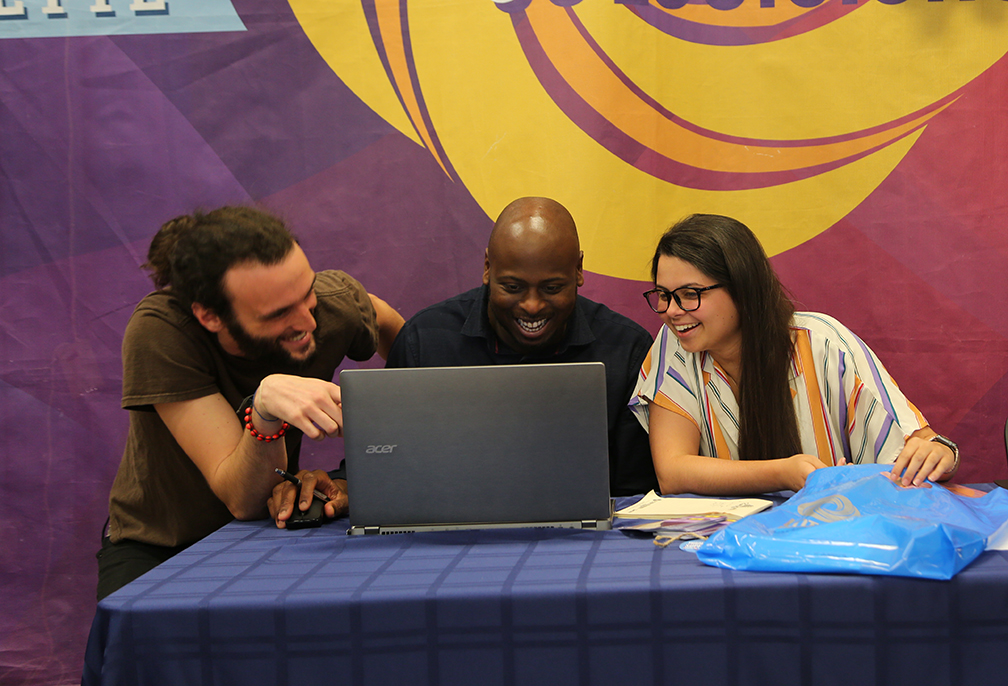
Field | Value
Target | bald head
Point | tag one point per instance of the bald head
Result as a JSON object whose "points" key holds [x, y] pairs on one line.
{"points": [[540, 221], [533, 270]]}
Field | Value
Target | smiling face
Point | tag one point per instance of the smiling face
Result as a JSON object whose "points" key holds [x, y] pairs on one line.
{"points": [[271, 310], [533, 270], [714, 326]]}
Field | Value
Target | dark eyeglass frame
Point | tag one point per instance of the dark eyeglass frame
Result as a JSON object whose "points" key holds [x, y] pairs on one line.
{"points": [[675, 296]]}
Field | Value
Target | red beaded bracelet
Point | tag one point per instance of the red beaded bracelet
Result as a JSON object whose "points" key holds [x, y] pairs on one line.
{"points": [[258, 436]]}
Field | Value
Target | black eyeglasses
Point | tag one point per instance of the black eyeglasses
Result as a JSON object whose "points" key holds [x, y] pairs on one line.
{"points": [[687, 297]]}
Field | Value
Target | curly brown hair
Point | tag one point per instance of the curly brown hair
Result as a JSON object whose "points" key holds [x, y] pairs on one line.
{"points": [[191, 254]]}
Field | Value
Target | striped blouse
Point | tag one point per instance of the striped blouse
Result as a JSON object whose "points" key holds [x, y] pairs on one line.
{"points": [[849, 409]]}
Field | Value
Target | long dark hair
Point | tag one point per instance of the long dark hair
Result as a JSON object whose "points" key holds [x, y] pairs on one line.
{"points": [[192, 253], [728, 252]]}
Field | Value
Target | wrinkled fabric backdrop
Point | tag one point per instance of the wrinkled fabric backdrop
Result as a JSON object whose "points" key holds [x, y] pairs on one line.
{"points": [[865, 142]]}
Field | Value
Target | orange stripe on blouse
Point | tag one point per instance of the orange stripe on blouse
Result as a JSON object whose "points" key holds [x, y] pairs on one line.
{"points": [[921, 421], [824, 446], [646, 365], [852, 403], [662, 400], [722, 446]]}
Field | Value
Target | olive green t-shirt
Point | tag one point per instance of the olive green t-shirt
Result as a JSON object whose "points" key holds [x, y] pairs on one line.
{"points": [[159, 496]]}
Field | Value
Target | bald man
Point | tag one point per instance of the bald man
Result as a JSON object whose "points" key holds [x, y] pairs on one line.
{"points": [[528, 311]]}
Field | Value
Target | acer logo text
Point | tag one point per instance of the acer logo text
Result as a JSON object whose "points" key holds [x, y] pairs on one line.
{"points": [[372, 449]]}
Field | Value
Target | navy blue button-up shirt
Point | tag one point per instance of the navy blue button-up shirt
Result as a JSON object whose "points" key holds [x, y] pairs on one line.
{"points": [[457, 332]]}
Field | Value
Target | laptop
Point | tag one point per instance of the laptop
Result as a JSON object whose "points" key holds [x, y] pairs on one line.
{"points": [[439, 448]]}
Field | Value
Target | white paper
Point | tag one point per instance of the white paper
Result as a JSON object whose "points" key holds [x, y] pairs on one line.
{"points": [[654, 506]]}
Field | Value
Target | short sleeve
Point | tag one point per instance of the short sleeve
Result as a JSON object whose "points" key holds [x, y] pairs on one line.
{"points": [[349, 314], [665, 379], [165, 359], [879, 416], [866, 406]]}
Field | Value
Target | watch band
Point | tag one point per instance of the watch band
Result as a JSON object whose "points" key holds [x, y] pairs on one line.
{"points": [[948, 443]]}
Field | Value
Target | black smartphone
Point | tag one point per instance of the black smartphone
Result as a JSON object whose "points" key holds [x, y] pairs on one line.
{"points": [[313, 516]]}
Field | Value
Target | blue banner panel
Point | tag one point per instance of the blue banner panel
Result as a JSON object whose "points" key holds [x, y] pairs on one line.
{"points": [[63, 18]]}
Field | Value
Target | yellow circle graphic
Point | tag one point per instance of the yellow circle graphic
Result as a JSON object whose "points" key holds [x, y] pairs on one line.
{"points": [[633, 117]]}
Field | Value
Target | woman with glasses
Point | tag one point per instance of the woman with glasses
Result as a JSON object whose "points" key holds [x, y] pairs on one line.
{"points": [[736, 374]]}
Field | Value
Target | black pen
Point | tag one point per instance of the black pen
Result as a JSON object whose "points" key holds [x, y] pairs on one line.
{"points": [[297, 482]]}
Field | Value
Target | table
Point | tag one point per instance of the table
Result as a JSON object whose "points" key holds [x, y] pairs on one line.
{"points": [[252, 604]]}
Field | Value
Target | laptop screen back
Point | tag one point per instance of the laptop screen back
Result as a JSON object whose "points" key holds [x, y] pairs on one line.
{"points": [[468, 447]]}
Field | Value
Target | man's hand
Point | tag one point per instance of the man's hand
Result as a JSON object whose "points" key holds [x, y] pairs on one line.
{"points": [[281, 503], [311, 405]]}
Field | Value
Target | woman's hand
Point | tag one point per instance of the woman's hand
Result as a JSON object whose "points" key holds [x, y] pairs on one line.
{"points": [[923, 459], [795, 469]]}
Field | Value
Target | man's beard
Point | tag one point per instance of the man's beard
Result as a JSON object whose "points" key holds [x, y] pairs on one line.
{"points": [[269, 351]]}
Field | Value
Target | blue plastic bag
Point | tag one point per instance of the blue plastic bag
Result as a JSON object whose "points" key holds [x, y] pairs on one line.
{"points": [[854, 519]]}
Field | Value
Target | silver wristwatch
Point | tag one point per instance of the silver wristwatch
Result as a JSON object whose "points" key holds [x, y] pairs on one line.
{"points": [[947, 442]]}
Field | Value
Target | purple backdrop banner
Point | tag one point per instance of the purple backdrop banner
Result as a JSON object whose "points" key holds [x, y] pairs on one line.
{"points": [[103, 138]]}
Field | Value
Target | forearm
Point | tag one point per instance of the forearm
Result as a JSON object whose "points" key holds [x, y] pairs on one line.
{"points": [[237, 467], [675, 442], [712, 476], [245, 479]]}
